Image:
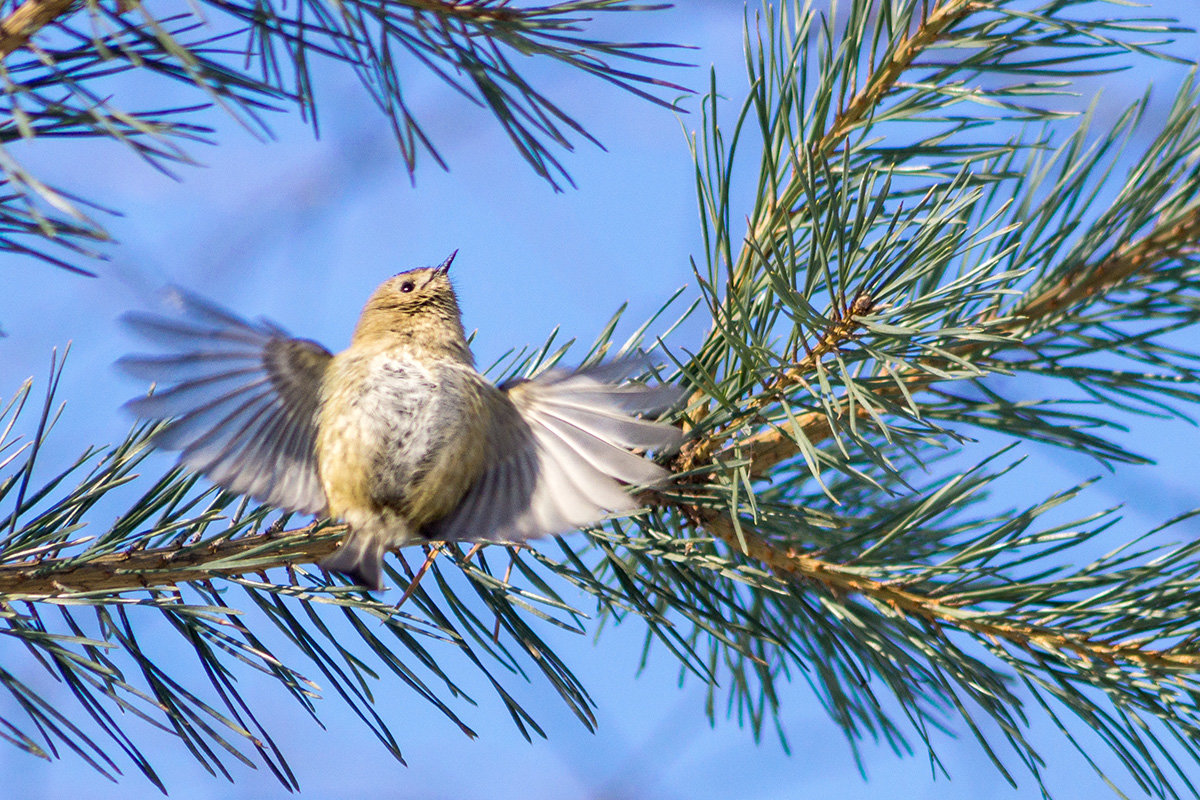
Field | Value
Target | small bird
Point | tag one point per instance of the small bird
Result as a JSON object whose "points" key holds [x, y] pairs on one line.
{"points": [[398, 435]]}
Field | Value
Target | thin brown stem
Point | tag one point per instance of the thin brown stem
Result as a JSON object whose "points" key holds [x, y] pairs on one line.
{"points": [[478, 13], [772, 446], [1167, 241], [767, 449], [843, 328]]}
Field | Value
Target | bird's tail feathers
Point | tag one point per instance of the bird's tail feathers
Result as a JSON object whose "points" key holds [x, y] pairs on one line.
{"points": [[359, 558]]}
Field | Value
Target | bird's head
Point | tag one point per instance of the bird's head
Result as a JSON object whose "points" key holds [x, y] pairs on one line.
{"points": [[417, 307]]}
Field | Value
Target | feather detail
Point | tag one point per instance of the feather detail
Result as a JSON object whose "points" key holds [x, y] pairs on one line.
{"points": [[559, 455], [242, 399]]}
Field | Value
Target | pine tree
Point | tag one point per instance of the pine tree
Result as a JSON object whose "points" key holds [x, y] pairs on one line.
{"points": [[928, 227]]}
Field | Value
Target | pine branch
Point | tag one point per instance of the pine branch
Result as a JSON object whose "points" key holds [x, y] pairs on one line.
{"points": [[821, 226], [46, 88], [939, 19], [764, 451], [881, 282], [1170, 241], [173, 565], [841, 579]]}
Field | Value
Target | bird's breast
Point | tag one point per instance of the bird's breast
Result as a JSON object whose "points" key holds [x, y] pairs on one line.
{"points": [[398, 434]]}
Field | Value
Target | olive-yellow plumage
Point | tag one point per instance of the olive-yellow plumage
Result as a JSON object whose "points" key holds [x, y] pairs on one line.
{"points": [[398, 435]]}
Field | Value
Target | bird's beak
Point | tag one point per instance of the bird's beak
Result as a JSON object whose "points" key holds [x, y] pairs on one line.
{"points": [[444, 267]]}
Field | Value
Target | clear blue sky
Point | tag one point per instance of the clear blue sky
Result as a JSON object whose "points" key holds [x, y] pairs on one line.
{"points": [[300, 230]]}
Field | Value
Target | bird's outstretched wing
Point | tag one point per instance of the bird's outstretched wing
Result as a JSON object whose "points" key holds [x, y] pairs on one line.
{"points": [[242, 398], [559, 452]]}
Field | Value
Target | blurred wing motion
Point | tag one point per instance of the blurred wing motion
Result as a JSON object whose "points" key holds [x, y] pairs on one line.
{"points": [[243, 400], [559, 459]]}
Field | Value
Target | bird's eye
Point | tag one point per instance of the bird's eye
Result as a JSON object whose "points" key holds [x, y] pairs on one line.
{"points": [[407, 286]]}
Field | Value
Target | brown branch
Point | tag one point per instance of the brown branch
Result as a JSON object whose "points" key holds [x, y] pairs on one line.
{"points": [[27, 19], [772, 446], [882, 80], [475, 12], [1027, 636], [31, 16], [164, 566], [1167, 241], [842, 329]]}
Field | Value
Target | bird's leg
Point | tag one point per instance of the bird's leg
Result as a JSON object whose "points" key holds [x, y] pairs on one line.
{"points": [[507, 574], [431, 552]]}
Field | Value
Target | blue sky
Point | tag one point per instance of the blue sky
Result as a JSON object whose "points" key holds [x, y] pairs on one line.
{"points": [[300, 230]]}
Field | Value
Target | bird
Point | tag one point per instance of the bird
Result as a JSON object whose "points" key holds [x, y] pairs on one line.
{"points": [[398, 435]]}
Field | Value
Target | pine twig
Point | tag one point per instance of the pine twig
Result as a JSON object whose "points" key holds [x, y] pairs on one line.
{"points": [[940, 19], [1170, 240], [936, 24], [27, 19], [1027, 636], [132, 570]]}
